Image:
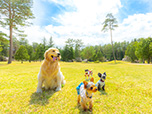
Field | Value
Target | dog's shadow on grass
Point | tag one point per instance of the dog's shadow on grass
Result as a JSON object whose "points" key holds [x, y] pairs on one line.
{"points": [[81, 111], [103, 92], [41, 98]]}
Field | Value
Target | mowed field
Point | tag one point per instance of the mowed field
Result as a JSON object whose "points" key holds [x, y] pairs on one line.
{"points": [[128, 89]]}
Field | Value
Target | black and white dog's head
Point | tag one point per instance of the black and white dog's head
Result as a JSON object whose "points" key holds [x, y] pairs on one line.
{"points": [[102, 76]]}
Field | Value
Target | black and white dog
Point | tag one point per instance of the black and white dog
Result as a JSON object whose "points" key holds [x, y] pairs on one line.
{"points": [[101, 83]]}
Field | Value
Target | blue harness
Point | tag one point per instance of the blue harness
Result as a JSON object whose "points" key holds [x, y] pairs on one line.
{"points": [[78, 88]]}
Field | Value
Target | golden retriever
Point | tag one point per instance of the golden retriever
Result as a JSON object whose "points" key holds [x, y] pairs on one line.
{"points": [[50, 74]]}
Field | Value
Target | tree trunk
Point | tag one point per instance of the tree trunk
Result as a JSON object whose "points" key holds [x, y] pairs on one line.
{"points": [[143, 60], [112, 46], [148, 60], [11, 42]]}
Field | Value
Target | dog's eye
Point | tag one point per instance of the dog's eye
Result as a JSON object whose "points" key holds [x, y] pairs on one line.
{"points": [[91, 88], [53, 51]]}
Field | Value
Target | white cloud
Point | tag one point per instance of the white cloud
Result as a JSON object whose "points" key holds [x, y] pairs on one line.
{"points": [[135, 26], [36, 34], [84, 22]]}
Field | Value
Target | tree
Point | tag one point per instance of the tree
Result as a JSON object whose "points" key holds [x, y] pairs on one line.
{"points": [[150, 50], [30, 52], [68, 52], [16, 45], [51, 44], [142, 49], [23, 41], [3, 45], [2, 40], [107, 50], [78, 45], [44, 43], [39, 52], [15, 13], [21, 54], [109, 24], [3, 37], [130, 51], [65, 53], [88, 52], [98, 56], [70, 42]]}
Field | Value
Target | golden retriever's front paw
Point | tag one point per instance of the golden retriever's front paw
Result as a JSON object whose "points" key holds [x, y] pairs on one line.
{"points": [[39, 90], [58, 89], [64, 82]]}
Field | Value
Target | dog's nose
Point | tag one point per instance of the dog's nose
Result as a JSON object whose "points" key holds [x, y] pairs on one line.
{"points": [[59, 54]]}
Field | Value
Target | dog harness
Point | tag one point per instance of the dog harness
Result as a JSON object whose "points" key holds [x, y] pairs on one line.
{"points": [[83, 93]]}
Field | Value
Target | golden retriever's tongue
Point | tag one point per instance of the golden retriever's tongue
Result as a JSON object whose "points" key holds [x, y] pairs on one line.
{"points": [[54, 58]]}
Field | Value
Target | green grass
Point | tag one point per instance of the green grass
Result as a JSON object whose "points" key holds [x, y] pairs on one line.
{"points": [[128, 89]]}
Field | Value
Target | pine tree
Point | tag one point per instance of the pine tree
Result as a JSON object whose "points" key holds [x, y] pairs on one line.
{"points": [[15, 13], [109, 24]]}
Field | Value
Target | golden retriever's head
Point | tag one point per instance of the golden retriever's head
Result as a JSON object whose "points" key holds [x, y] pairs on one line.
{"points": [[52, 54]]}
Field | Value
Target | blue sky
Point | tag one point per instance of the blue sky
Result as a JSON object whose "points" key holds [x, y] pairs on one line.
{"points": [[131, 7], [81, 19], [52, 9]]}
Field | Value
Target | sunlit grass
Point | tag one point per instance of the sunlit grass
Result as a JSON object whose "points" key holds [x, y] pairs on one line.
{"points": [[128, 89]]}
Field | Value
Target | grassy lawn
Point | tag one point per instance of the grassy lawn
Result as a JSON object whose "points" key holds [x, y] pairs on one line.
{"points": [[128, 89]]}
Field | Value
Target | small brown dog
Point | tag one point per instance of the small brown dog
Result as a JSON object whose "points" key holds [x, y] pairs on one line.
{"points": [[85, 91]]}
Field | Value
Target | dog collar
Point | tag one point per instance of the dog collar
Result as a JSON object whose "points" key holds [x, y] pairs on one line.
{"points": [[101, 80], [87, 95]]}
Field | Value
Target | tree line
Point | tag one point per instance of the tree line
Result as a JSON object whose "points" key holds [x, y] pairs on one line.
{"points": [[138, 50], [74, 50]]}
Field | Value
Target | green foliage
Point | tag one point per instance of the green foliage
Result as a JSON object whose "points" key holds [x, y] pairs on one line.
{"points": [[74, 49], [110, 23], [23, 42], [3, 44], [150, 49], [16, 44], [16, 12], [78, 45], [120, 49], [30, 53], [130, 51], [39, 52], [107, 50], [142, 50], [98, 56], [68, 53], [3, 37], [88, 52], [51, 44], [21, 54]]}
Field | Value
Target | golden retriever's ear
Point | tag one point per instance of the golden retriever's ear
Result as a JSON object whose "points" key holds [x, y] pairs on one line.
{"points": [[92, 79], [46, 55], [85, 84]]}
